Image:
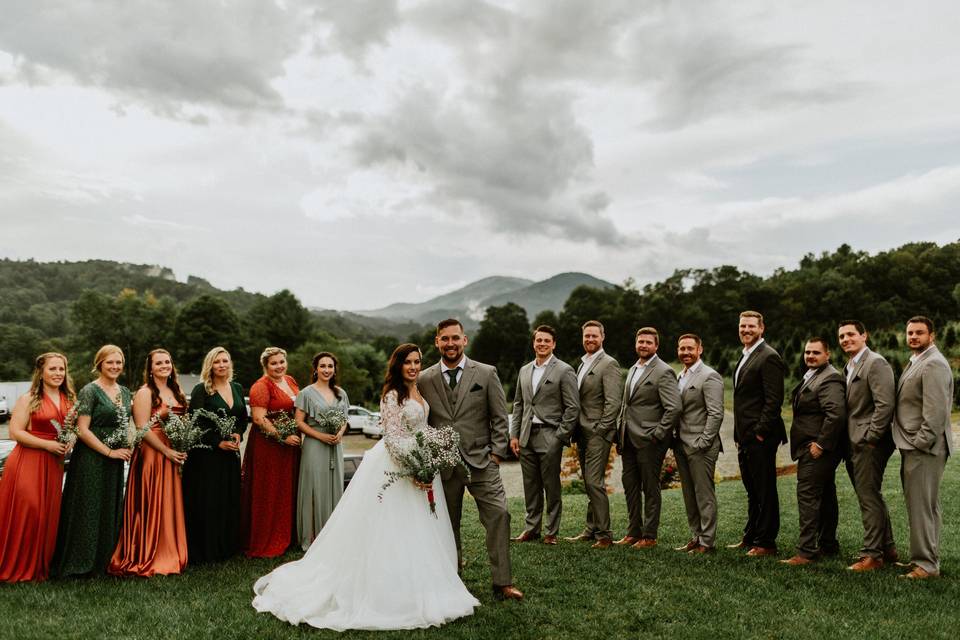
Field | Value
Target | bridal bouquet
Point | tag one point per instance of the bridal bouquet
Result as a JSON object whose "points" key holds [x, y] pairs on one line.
{"points": [[422, 456], [183, 434], [126, 435], [223, 423]]}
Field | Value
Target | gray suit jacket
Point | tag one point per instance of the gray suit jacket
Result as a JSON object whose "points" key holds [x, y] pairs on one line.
{"points": [[555, 402], [479, 413], [819, 412], [601, 393], [702, 410], [924, 400], [653, 409], [871, 398]]}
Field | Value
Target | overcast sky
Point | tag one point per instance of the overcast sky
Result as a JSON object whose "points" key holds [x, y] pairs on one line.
{"points": [[366, 152]]}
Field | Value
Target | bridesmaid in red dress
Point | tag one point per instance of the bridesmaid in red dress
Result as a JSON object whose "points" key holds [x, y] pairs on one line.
{"points": [[153, 538], [31, 484], [271, 467]]}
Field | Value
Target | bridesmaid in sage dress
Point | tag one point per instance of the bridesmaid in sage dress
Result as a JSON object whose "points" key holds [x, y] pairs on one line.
{"points": [[211, 477], [321, 458], [92, 505]]}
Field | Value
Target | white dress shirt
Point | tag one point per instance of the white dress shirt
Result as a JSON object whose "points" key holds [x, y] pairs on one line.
{"points": [[459, 367], [587, 360], [638, 372], [685, 374], [538, 371], [743, 361]]}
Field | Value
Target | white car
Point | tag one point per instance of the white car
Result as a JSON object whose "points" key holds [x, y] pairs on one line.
{"points": [[359, 419], [4, 410]]}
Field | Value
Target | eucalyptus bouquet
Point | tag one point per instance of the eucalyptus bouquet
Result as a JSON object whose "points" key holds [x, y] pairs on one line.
{"points": [[422, 456], [184, 434], [127, 435], [67, 432], [223, 423]]}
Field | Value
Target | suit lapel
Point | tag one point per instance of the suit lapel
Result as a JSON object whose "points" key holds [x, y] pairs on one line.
{"points": [[546, 375], [643, 376], [694, 379], [857, 368], [436, 379], [750, 360], [466, 383]]}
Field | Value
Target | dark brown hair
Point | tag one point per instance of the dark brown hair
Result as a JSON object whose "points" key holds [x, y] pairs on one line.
{"points": [[649, 331], [449, 322], [545, 328], [690, 336], [922, 320], [821, 340], [859, 326], [393, 380], [172, 381], [336, 367]]}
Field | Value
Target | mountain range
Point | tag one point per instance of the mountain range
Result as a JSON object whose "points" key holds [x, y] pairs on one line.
{"points": [[470, 302]]}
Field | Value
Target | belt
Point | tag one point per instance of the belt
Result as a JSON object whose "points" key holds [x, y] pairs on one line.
{"points": [[541, 425]]}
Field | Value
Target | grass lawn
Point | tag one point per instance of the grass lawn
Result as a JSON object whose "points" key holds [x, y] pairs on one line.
{"points": [[572, 590]]}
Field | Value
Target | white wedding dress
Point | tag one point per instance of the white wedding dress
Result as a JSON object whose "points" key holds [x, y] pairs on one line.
{"points": [[377, 564]]}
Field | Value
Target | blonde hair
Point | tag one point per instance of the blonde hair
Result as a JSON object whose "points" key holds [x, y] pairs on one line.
{"points": [[268, 353], [206, 373], [36, 384], [102, 354]]}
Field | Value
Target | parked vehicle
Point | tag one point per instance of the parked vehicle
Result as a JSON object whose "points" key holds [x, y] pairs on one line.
{"points": [[6, 446], [358, 418], [350, 463], [373, 429], [4, 410]]}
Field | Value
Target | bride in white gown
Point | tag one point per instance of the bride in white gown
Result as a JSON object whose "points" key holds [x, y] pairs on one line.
{"points": [[377, 564]]}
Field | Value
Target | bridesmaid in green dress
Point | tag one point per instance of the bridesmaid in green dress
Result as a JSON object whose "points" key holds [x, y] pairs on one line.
{"points": [[92, 506], [321, 458], [211, 477]]}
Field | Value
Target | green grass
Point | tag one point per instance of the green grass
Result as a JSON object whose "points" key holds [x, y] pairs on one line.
{"points": [[572, 590]]}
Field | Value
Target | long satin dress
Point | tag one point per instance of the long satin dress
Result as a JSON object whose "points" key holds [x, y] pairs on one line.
{"points": [[269, 479], [30, 501], [154, 535], [92, 507]]}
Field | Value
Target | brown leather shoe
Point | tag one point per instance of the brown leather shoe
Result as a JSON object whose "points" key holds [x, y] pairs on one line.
{"points": [[797, 561], [891, 555], [757, 552], [627, 540], [645, 543], [550, 540], [602, 543], [918, 574], [527, 536], [865, 564], [507, 592], [740, 545], [700, 549], [583, 537], [690, 546]]}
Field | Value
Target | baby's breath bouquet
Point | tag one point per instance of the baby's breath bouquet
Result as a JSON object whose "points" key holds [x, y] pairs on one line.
{"points": [[67, 432], [422, 456], [183, 434], [285, 425], [223, 423], [127, 435], [330, 421]]}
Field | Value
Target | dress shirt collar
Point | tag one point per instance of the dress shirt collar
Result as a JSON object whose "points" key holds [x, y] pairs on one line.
{"points": [[748, 350], [544, 365], [460, 365], [917, 356], [641, 365], [587, 359], [696, 367]]}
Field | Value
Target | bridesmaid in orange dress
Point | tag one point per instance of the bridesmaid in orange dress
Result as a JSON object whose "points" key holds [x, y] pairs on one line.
{"points": [[154, 536], [30, 488], [270, 466]]}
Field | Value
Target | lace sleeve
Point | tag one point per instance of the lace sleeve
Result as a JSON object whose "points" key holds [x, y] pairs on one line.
{"points": [[391, 416]]}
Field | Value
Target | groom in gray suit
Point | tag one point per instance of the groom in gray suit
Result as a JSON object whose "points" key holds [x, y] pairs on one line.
{"points": [[468, 396], [648, 418], [698, 443], [871, 397], [921, 430], [546, 406]]}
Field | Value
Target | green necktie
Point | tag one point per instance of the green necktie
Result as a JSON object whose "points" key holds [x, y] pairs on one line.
{"points": [[452, 375]]}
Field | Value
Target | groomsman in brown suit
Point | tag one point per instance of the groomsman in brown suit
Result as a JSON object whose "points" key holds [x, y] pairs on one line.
{"points": [[759, 431], [698, 445], [546, 406], [648, 418], [819, 421], [468, 396], [871, 396], [921, 430], [601, 389]]}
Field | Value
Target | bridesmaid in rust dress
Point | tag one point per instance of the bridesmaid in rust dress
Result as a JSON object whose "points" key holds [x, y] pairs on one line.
{"points": [[154, 537], [30, 486], [270, 466]]}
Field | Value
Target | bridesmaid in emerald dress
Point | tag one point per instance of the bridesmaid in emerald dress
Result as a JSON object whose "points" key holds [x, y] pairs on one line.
{"points": [[154, 537], [211, 477], [91, 511], [270, 466], [30, 486]]}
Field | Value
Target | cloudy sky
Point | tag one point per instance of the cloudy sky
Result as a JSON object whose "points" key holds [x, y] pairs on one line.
{"points": [[372, 151]]}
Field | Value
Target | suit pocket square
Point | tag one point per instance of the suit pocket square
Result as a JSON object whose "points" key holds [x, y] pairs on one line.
{"points": [[476, 387]]}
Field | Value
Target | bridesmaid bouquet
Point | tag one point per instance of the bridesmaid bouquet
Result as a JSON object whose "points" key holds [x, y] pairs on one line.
{"points": [[330, 421], [127, 435], [68, 432], [183, 434], [223, 423], [422, 457], [285, 425]]}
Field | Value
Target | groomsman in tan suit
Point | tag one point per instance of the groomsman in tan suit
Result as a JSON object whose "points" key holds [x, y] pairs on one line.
{"points": [[870, 397], [819, 421], [546, 406], [648, 418], [468, 396], [698, 442], [921, 430], [601, 389]]}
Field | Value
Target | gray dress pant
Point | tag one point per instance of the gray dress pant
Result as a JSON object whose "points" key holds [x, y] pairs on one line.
{"points": [[699, 491], [540, 465], [921, 474], [594, 452], [869, 464], [641, 484]]}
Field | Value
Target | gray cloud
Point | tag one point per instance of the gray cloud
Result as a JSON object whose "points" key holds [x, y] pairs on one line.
{"points": [[356, 26]]}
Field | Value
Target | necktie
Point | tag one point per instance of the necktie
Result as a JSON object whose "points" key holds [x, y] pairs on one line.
{"points": [[452, 375]]}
